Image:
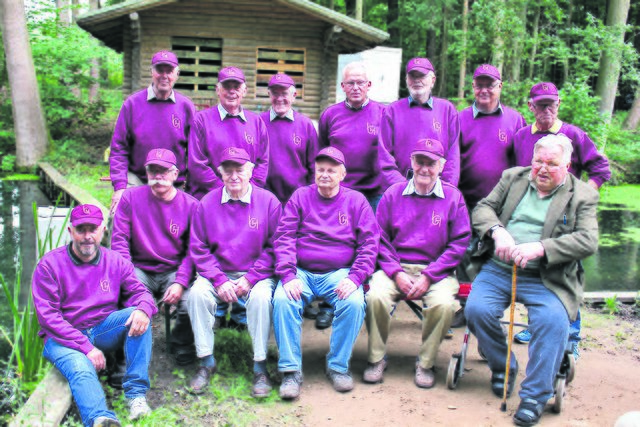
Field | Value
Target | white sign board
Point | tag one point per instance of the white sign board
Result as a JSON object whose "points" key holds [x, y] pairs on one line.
{"points": [[383, 69]]}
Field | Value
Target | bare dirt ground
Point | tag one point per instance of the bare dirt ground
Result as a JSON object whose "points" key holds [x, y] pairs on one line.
{"points": [[605, 386]]}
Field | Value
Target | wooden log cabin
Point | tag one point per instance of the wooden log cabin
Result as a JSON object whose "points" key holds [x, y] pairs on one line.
{"points": [[263, 37]]}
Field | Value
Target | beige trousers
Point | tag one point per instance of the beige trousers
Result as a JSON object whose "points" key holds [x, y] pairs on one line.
{"points": [[439, 306]]}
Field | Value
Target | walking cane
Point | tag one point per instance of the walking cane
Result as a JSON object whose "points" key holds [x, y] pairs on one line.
{"points": [[503, 406]]}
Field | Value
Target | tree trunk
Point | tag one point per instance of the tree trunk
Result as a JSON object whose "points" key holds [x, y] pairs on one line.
{"points": [[64, 12], [633, 118], [498, 42], [393, 13], [463, 59], [521, 35], [431, 44], [607, 85], [568, 41], [358, 12], [95, 64], [28, 118], [442, 75], [534, 36]]}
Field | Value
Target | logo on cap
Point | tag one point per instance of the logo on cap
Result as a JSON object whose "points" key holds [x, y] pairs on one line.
{"points": [[164, 55], [231, 72], [331, 151], [485, 67], [417, 61], [86, 210], [545, 87], [278, 77], [158, 154], [232, 151], [105, 285]]}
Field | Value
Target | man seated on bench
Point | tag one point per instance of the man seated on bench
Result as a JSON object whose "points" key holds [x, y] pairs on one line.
{"points": [[425, 230], [78, 291], [543, 219], [151, 229], [326, 246]]}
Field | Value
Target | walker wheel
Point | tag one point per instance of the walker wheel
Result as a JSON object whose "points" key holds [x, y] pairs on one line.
{"points": [[559, 389], [453, 373], [571, 372]]}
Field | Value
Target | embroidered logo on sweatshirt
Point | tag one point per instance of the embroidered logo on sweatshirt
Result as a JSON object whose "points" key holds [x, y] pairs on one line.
{"points": [[253, 223], [175, 121], [343, 219], [436, 219], [105, 286], [502, 135], [372, 129], [296, 139], [436, 125], [173, 228], [248, 138]]}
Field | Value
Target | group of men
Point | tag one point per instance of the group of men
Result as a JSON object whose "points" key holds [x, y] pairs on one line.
{"points": [[226, 206]]}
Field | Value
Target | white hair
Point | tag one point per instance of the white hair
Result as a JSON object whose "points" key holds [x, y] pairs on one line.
{"points": [[552, 140], [249, 164], [358, 65], [290, 89]]}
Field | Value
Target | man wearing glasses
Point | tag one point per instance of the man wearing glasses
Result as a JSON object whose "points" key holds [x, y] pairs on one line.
{"points": [[486, 126], [422, 116]]}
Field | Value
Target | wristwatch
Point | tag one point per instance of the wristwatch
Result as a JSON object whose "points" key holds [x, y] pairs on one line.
{"points": [[494, 228]]}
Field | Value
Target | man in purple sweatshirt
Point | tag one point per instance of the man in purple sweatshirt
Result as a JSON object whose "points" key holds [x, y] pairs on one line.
{"points": [[227, 125], [293, 141], [424, 233], [486, 126], [231, 247], [326, 246], [353, 127], [155, 117], [151, 229], [422, 115], [78, 291]]}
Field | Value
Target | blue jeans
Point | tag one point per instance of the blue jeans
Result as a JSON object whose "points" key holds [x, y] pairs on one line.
{"points": [[548, 324], [83, 380], [287, 320]]}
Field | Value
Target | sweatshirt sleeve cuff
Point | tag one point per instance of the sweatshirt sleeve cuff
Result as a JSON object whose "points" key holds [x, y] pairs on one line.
{"points": [[286, 278]]}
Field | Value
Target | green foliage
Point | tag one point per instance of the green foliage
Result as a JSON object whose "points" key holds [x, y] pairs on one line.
{"points": [[8, 163], [612, 305]]}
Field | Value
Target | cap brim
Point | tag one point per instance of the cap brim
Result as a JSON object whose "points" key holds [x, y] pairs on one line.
{"points": [[432, 156], [423, 70], [284, 85], [162, 163], [92, 221], [173, 64], [235, 79], [491, 76], [327, 157], [236, 161]]}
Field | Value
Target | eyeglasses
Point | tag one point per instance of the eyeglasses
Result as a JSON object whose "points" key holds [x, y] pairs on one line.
{"points": [[537, 164], [358, 83], [490, 87], [156, 170], [543, 107]]}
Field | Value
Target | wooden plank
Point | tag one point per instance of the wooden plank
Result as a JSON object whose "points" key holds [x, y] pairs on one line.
{"points": [[283, 55], [211, 56], [264, 78], [196, 41], [600, 297], [280, 67], [198, 80], [48, 404], [200, 68]]}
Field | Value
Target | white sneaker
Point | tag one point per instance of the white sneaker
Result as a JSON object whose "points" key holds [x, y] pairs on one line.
{"points": [[138, 408]]}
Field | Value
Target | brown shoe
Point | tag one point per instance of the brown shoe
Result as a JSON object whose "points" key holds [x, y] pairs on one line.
{"points": [[200, 380], [374, 372], [425, 378], [261, 385]]}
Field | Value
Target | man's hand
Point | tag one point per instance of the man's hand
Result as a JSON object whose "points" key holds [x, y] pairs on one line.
{"points": [[173, 294], [115, 199], [345, 288], [227, 292], [242, 287], [504, 244], [293, 289], [419, 288], [525, 252], [138, 323], [97, 359], [593, 184], [404, 282]]}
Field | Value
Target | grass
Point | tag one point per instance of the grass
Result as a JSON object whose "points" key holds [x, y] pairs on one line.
{"points": [[20, 177], [621, 195], [611, 304]]}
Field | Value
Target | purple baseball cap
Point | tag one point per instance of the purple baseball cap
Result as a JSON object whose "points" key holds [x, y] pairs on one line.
{"points": [[161, 157], [281, 80], [235, 155], [431, 148], [487, 70], [231, 73], [544, 90], [164, 57], [420, 64], [86, 214], [331, 153]]}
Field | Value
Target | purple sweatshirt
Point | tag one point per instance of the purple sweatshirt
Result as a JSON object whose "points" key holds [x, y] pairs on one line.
{"points": [[370, 167], [402, 125], [585, 156], [235, 236], [423, 230], [486, 150], [292, 149], [323, 235], [154, 234], [70, 296], [144, 125], [210, 136]]}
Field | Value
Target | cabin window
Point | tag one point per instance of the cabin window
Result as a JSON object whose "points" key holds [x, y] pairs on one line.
{"points": [[271, 61], [200, 60]]}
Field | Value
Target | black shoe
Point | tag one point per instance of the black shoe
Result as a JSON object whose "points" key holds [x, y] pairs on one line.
{"points": [[220, 322], [116, 375], [458, 319], [324, 319], [497, 382], [311, 311], [184, 356], [528, 413]]}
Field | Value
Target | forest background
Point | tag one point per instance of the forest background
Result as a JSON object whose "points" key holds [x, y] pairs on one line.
{"points": [[589, 49]]}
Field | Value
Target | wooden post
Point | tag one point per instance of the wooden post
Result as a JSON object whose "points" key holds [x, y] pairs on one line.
{"points": [[136, 61]]}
